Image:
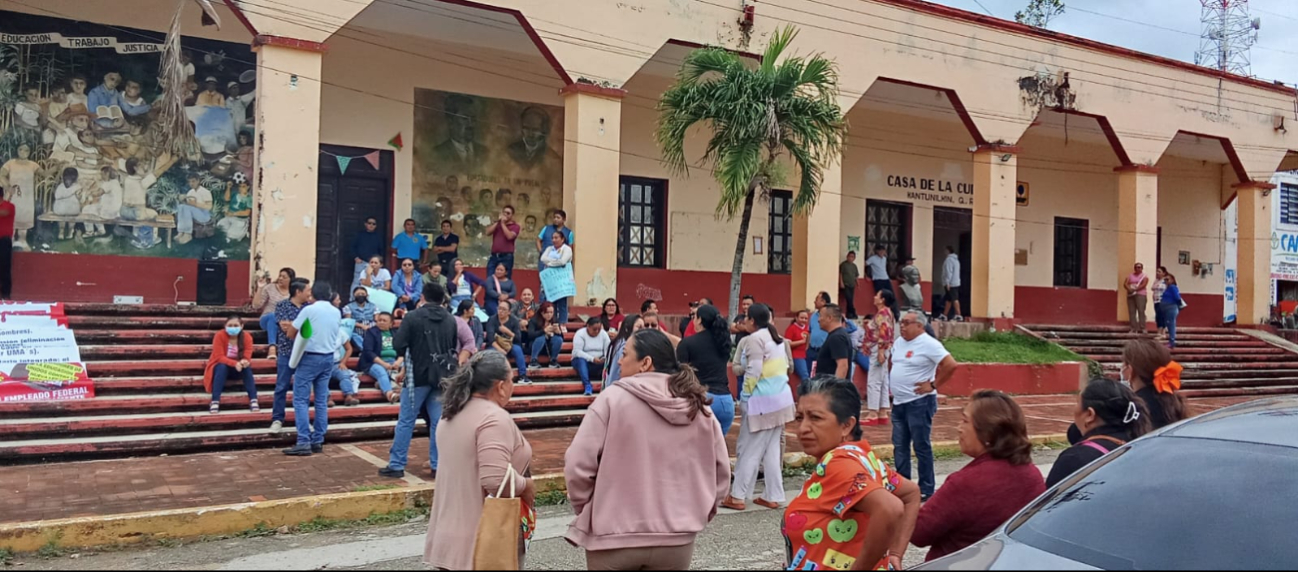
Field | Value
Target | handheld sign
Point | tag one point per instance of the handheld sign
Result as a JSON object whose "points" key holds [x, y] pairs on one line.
{"points": [[299, 343]]}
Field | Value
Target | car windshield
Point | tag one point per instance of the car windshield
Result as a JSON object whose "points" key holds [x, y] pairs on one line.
{"points": [[1172, 503]]}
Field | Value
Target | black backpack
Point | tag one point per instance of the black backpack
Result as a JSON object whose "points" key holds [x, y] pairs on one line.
{"points": [[436, 359]]}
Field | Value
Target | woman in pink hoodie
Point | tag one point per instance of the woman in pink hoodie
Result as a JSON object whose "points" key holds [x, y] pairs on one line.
{"points": [[646, 480]]}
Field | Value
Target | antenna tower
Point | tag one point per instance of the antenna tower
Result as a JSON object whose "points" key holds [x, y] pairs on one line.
{"points": [[1228, 32]]}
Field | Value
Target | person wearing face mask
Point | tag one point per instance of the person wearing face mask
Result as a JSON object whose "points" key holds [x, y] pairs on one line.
{"points": [[478, 443], [231, 357], [1108, 416], [648, 466], [361, 310], [1147, 368]]}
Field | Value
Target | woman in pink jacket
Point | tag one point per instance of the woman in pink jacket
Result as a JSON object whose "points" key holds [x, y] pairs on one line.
{"points": [[646, 480]]}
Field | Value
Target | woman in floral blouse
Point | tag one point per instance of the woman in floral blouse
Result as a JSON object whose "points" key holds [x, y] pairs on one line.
{"points": [[880, 331]]}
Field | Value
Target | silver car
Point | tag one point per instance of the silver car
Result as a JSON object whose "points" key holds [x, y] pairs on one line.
{"points": [[1216, 492]]}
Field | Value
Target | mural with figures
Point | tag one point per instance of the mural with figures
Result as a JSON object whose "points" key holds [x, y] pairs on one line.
{"points": [[85, 163], [473, 156]]}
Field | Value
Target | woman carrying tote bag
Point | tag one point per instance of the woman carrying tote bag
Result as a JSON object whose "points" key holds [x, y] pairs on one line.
{"points": [[481, 452]]}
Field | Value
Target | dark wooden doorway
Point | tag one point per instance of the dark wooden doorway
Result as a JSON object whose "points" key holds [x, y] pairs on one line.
{"points": [[952, 227], [344, 201]]}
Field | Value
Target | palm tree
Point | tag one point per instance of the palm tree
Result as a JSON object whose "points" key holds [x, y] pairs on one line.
{"points": [[757, 115]]}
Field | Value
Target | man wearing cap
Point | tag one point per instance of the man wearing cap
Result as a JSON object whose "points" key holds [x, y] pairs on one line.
{"points": [[210, 97], [237, 102], [848, 274]]}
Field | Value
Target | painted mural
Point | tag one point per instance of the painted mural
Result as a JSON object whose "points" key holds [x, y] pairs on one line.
{"points": [[84, 162], [473, 156]]}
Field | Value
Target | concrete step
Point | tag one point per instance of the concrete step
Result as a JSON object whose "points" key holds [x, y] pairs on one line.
{"points": [[1180, 351], [1183, 359], [1212, 337], [547, 381], [1180, 343], [1241, 381], [90, 309], [234, 415], [91, 352], [1118, 328], [548, 397], [1241, 391], [151, 337], [134, 322], [1235, 369], [192, 366], [68, 448]]}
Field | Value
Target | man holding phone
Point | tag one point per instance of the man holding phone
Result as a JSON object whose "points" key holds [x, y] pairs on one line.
{"points": [[919, 366]]}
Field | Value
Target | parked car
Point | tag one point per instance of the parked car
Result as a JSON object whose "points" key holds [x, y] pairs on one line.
{"points": [[1215, 492]]}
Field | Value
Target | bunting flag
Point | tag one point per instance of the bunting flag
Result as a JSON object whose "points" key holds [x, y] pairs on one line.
{"points": [[373, 158], [343, 162], [396, 143]]}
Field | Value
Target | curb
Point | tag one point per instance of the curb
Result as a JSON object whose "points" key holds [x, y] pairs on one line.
{"points": [[222, 520]]}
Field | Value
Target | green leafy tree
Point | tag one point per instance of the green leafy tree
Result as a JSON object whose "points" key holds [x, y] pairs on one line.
{"points": [[1039, 13], [756, 115]]}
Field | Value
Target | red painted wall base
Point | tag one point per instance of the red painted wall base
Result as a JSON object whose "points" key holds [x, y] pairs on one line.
{"points": [[95, 278], [1017, 379]]}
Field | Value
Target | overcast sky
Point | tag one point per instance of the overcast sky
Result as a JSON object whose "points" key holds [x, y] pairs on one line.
{"points": [[1273, 55]]}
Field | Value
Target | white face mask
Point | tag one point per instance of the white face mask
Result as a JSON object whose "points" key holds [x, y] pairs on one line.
{"points": [[1122, 376]]}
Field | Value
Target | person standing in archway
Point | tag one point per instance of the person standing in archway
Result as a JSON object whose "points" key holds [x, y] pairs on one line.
{"points": [[848, 274]]}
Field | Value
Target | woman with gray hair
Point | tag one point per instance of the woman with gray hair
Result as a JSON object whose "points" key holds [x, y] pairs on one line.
{"points": [[477, 443]]}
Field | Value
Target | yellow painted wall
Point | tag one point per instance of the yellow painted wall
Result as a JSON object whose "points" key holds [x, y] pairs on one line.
{"points": [[1188, 191]]}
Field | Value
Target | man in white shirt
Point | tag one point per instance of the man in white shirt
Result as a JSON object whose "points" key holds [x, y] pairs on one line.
{"points": [[919, 366], [588, 347], [197, 207], [951, 280], [318, 325], [877, 267], [237, 102]]}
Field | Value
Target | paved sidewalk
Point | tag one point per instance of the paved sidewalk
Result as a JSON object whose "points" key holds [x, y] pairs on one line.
{"points": [[63, 490]]}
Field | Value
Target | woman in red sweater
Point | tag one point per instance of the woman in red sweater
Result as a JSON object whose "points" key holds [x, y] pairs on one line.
{"points": [[231, 357], [998, 483]]}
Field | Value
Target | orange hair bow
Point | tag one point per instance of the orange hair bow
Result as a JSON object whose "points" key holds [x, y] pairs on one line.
{"points": [[1167, 379]]}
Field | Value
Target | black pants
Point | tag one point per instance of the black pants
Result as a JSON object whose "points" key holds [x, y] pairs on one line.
{"points": [[6, 267], [884, 284], [848, 296]]}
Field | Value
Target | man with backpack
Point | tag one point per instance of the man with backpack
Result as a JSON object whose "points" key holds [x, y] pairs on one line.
{"points": [[436, 344]]}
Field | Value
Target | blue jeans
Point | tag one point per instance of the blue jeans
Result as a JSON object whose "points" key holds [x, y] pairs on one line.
{"points": [[344, 379], [313, 374], [358, 343], [413, 400], [283, 382], [555, 343], [380, 374], [223, 372], [1158, 315], [801, 368], [1170, 311], [187, 215], [506, 258], [516, 352], [812, 354], [269, 324], [561, 311], [723, 407], [912, 423], [583, 371]]}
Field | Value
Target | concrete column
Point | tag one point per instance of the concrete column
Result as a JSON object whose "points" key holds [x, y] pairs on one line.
{"points": [[286, 155], [816, 238], [1137, 230], [992, 268], [591, 168], [1253, 283]]}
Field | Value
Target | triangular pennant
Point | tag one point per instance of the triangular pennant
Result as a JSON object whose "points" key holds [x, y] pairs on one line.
{"points": [[373, 158], [396, 143], [343, 162]]}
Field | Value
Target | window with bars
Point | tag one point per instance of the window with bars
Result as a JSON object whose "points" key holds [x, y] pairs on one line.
{"points": [[641, 222], [779, 257], [1070, 252], [1288, 203], [887, 224]]}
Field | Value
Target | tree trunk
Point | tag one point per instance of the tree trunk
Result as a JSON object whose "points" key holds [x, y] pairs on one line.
{"points": [[737, 271]]}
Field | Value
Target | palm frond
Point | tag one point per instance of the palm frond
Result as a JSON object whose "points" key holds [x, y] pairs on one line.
{"points": [[780, 40], [736, 169]]}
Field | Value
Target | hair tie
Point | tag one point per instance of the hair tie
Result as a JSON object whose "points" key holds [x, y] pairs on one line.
{"points": [[1133, 413], [1167, 379]]}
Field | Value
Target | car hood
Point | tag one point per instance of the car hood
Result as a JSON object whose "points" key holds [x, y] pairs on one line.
{"points": [[1000, 552]]}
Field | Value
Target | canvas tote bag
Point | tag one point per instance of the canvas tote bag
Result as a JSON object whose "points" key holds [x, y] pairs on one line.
{"points": [[496, 545]]}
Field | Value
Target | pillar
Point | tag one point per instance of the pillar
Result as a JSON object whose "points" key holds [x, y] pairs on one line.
{"points": [[591, 169], [816, 238], [286, 156], [992, 268], [1253, 267], [1137, 230]]}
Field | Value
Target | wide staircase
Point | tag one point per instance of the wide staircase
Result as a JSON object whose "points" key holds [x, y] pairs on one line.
{"points": [[1218, 362], [147, 363]]}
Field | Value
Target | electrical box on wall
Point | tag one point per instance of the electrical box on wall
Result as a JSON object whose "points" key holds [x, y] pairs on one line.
{"points": [[128, 299]]}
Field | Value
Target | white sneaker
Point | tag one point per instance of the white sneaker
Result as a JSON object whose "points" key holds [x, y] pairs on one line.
{"points": [[276, 426]]}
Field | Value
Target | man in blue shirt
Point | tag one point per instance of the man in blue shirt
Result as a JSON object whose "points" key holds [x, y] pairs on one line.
{"points": [[817, 335], [543, 239], [320, 324], [286, 311], [367, 244], [410, 244], [447, 247]]}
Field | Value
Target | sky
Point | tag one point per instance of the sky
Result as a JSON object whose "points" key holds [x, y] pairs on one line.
{"points": [[1131, 24]]}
